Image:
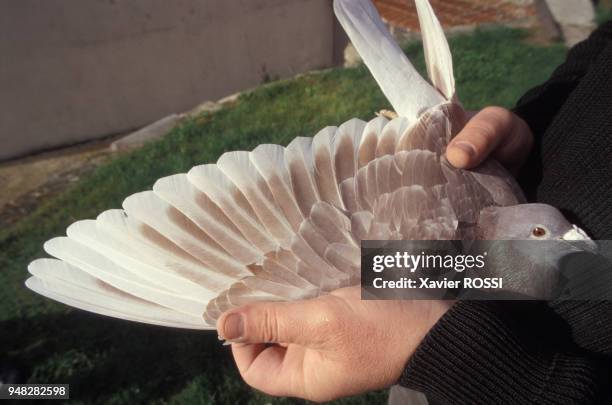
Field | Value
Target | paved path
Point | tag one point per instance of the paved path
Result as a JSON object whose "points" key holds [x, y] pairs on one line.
{"points": [[575, 18], [456, 13]]}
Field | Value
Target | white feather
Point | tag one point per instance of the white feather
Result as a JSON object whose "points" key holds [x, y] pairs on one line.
{"points": [[391, 134], [184, 196], [347, 141], [146, 244], [324, 170], [168, 221], [127, 255], [438, 56], [210, 180], [59, 280], [105, 270], [369, 140], [269, 160], [299, 161], [239, 168]]}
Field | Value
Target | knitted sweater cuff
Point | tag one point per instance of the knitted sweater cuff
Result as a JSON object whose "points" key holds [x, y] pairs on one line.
{"points": [[472, 356]]}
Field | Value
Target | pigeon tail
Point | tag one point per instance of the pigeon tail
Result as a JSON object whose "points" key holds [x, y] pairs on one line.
{"points": [[409, 94]]}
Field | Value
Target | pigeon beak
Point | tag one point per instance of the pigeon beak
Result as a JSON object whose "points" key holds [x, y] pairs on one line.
{"points": [[580, 239]]}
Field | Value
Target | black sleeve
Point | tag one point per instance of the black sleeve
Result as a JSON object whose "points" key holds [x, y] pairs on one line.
{"points": [[539, 105], [579, 91], [589, 323], [588, 312], [505, 353]]}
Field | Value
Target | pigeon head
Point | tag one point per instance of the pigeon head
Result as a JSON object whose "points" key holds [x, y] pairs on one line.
{"points": [[527, 222], [526, 245]]}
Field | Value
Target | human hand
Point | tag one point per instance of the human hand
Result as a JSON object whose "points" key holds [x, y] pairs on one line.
{"points": [[328, 347], [493, 131]]}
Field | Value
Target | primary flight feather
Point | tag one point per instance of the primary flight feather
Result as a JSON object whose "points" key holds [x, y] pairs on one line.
{"points": [[285, 223]]}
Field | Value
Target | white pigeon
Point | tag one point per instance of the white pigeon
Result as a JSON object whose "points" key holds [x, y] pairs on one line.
{"points": [[285, 223]]}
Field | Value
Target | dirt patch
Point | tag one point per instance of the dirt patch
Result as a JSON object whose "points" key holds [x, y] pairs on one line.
{"points": [[28, 181]]}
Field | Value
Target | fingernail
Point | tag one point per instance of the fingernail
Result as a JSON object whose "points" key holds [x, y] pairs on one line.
{"points": [[233, 327], [234, 342], [466, 147]]}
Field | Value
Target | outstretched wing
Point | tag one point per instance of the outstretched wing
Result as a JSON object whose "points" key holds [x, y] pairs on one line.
{"points": [[276, 223], [271, 224]]}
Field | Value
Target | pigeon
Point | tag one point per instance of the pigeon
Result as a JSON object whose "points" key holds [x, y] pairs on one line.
{"points": [[285, 223]]}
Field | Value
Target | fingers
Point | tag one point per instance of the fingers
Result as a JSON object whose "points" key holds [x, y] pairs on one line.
{"points": [[275, 322], [271, 368], [493, 131]]}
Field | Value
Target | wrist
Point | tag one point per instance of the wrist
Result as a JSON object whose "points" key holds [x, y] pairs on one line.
{"points": [[430, 313]]}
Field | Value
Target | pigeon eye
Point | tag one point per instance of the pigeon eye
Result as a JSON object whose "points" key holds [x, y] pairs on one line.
{"points": [[538, 232]]}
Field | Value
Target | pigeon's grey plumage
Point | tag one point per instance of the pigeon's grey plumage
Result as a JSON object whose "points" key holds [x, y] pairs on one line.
{"points": [[285, 223]]}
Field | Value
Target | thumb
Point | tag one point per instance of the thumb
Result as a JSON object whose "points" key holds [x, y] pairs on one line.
{"points": [[273, 322], [493, 131]]}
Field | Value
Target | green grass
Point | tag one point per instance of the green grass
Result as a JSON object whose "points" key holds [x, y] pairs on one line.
{"points": [[110, 361], [602, 14]]}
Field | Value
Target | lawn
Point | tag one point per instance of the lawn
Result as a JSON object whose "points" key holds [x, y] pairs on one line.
{"points": [[115, 362]]}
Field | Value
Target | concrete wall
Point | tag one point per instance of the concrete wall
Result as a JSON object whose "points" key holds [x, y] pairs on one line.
{"points": [[74, 70]]}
